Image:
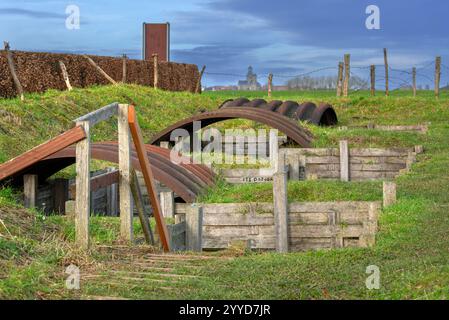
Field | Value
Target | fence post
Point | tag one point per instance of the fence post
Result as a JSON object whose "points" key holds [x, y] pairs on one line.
{"points": [[437, 76], [126, 204], [82, 205], [61, 195], [167, 200], [344, 160], [155, 70], [12, 69], [389, 193], [194, 228], [387, 90], [270, 85], [65, 75], [198, 84], [124, 71], [340, 79], [280, 205], [30, 184], [414, 81], [347, 74], [373, 80]]}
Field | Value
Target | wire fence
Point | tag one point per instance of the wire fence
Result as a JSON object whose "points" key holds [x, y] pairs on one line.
{"points": [[326, 78]]}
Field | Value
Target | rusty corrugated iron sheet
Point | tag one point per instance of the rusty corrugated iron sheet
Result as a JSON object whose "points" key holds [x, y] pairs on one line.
{"points": [[294, 132], [323, 115], [40, 152]]}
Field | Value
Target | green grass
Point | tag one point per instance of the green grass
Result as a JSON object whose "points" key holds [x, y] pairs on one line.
{"points": [[412, 244]]}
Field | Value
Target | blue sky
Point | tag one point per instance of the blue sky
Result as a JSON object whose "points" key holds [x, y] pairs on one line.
{"points": [[284, 37]]}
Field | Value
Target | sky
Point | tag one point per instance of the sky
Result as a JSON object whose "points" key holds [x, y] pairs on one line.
{"points": [[283, 37]]}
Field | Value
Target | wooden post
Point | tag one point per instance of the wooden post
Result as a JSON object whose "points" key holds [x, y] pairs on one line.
{"points": [[82, 206], [387, 90], [124, 145], [274, 150], [155, 71], [340, 79], [12, 69], [101, 71], [344, 160], [194, 228], [373, 80], [198, 84], [389, 193], [414, 81], [124, 68], [347, 74], [139, 202], [281, 205], [270, 85], [61, 195], [111, 198], [147, 173], [437, 76], [167, 204], [30, 184], [65, 75]]}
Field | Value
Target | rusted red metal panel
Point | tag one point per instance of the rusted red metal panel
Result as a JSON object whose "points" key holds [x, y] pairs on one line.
{"points": [[40, 152], [156, 40]]}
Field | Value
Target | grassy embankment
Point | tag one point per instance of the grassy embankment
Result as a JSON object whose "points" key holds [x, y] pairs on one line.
{"points": [[411, 249]]}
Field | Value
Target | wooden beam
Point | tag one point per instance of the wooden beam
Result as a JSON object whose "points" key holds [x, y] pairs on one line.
{"points": [[340, 79], [387, 90], [101, 71], [104, 180], [30, 184], [198, 84], [125, 167], [99, 115], [65, 75], [12, 69], [344, 161], [155, 71], [124, 71], [138, 201], [82, 205], [281, 205], [42, 151], [148, 177], [194, 228]]}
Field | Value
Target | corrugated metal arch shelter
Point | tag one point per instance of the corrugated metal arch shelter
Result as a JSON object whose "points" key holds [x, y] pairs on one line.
{"points": [[323, 115], [294, 132]]}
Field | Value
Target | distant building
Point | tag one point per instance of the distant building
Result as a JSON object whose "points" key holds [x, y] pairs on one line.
{"points": [[250, 84]]}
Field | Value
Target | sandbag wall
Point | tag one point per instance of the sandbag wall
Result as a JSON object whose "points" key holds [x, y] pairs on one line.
{"points": [[38, 72]]}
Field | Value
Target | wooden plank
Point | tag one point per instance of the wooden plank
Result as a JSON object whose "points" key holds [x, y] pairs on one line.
{"points": [[392, 152], [65, 76], [60, 195], [148, 176], [281, 205], [167, 199], [82, 206], [125, 167], [12, 69], [389, 193], [40, 152], [30, 184], [101, 114], [104, 180], [139, 203], [194, 228], [344, 160], [101, 71]]}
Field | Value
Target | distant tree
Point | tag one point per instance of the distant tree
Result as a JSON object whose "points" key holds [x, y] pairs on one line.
{"points": [[323, 83]]}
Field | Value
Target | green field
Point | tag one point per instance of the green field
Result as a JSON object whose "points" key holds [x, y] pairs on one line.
{"points": [[411, 249]]}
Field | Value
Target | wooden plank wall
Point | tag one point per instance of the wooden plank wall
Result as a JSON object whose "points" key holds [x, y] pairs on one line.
{"points": [[312, 225], [324, 163]]}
